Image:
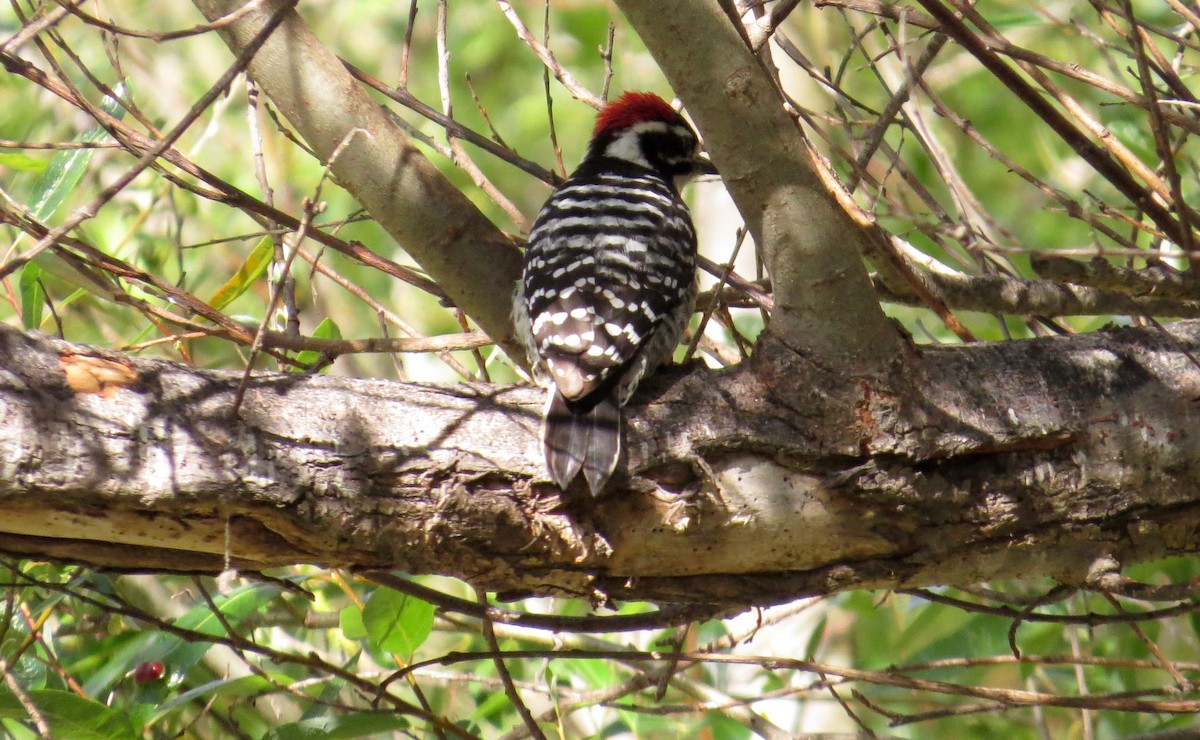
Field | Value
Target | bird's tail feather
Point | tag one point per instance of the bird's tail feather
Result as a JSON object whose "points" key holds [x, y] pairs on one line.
{"points": [[586, 439]]}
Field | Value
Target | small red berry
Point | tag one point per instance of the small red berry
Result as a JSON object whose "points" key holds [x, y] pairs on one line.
{"points": [[150, 670]]}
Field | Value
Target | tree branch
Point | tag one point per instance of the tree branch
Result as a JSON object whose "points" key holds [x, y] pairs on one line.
{"points": [[1074, 297], [464, 253], [824, 301], [756, 485]]}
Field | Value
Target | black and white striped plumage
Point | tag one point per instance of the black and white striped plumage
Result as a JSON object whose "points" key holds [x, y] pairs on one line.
{"points": [[609, 280]]}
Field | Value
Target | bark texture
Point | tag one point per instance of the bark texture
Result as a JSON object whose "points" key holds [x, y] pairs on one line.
{"points": [[811, 247], [779, 478]]}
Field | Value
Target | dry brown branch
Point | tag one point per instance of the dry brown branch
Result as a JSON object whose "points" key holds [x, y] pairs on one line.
{"points": [[244, 9], [1011, 697], [797, 471], [552, 64], [222, 191], [1001, 45], [253, 43], [117, 604], [1103, 161], [464, 253]]}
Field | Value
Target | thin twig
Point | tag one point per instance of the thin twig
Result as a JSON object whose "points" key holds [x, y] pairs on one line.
{"points": [[549, 99], [548, 59], [92, 208], [1180, 681], [661, 619], [160, 36], [30, 30], [26, 702], [510, 689], [410, 101], [1099, 158], [1166, 155], [281, 283], [716, 295], [406, 49], [606, 53]]}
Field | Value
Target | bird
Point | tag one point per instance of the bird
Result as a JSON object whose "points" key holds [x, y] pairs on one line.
{"points": [[608, 282]]}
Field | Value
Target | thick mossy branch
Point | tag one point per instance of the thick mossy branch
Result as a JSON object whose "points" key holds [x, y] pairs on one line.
{"points": [[753, 485]]}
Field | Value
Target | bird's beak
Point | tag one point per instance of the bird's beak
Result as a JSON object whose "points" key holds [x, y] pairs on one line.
{"points": [[703, 166]]}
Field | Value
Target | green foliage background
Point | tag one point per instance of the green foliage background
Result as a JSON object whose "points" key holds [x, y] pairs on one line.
{"points": [[295, 656]]}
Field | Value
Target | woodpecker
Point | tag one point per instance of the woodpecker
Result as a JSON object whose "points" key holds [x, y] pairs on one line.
{"points": [[609, 280]]}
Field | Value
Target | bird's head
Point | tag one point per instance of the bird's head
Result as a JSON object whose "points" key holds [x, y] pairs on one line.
{"points": [[642, 128]]}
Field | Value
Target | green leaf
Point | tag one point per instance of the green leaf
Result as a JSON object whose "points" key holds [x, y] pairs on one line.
{"points": [[238, 687], [360, 724], [875, 629], [111, 105], [816, 638], [494, 707], [22, 162], [719, 725], [71, 715], [325, 330], [62, 175], [251, 270], [58, 180], [32, 296], [67, 167], [351, 621], [595, 673], [12, 730], [236, 607], [396, 622], [926, 625], [116, 656], [31, 674]]}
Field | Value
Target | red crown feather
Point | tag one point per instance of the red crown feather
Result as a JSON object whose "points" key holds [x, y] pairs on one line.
{"points": [[631, 108]]}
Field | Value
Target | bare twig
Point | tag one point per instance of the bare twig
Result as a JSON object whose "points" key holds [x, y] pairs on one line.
{"points": [[30, 29], [89, 211], [282, 280], [26, 702], [160, 36], [1100, 159], [510, 689], [406, 49], [552, 64]]}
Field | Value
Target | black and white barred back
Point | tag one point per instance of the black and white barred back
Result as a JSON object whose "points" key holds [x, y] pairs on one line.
{"points": [[609, 280]]}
